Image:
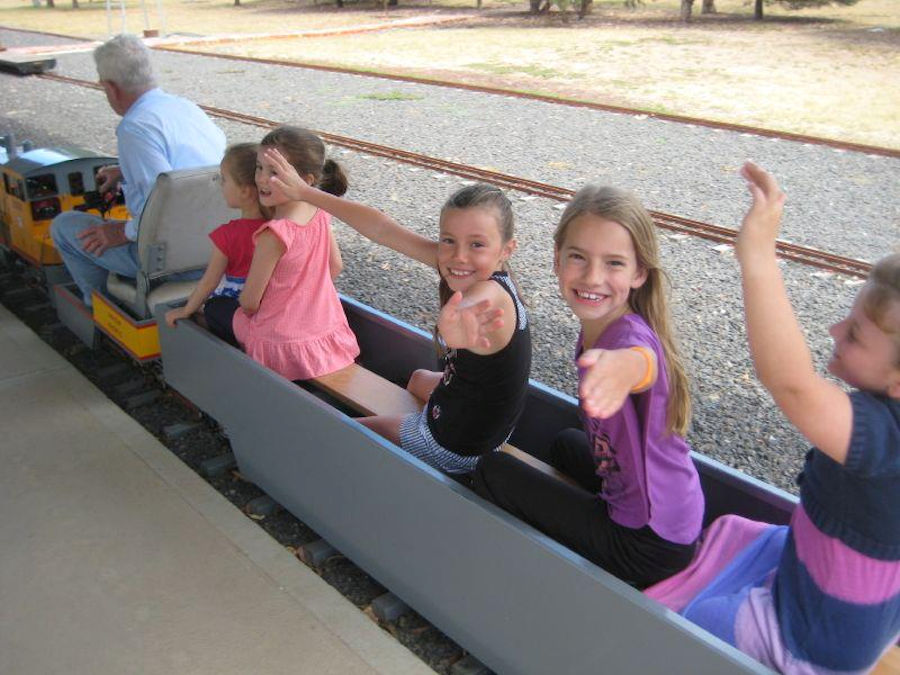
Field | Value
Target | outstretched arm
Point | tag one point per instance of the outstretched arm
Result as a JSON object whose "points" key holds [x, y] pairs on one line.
{"points": [[613, 374], [207, 284], [819, 409], [369, 222]]}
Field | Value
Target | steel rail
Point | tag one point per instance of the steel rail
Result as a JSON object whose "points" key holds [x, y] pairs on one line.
{"points": [[794, 252], [557, 100]]}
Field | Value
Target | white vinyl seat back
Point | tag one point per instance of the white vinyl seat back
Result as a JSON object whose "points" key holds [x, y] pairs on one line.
{"points": [[183, 208]]}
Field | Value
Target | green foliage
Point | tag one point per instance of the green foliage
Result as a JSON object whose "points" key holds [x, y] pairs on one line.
{"points": [[393, 95]]}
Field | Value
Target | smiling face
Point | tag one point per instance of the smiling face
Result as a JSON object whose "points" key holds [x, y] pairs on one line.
{"points": [[269, 195], [864, 355], [470, 248], [597, 268]]}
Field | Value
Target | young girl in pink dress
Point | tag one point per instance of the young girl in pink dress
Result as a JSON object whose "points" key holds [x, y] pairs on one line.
{"points": [[291, 319]]}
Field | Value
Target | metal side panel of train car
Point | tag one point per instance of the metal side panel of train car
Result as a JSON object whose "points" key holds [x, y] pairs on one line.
{"points": [[520, 602], [138, 337]]}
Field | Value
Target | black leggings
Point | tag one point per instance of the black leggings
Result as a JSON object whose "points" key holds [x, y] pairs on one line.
{"points": [[218, 312], [576, 516]]}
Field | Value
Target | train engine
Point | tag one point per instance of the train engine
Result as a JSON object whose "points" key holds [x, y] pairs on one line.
{"points": [[39, 184]]}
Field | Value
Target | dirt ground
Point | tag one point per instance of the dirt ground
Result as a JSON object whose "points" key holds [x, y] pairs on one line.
{"points": [[831, 72]]}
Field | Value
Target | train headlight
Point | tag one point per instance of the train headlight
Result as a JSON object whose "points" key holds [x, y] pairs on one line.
{"points": [[45, 209]]}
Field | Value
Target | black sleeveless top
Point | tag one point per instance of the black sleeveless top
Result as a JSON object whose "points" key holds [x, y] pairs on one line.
{"points": [[480, 398]]}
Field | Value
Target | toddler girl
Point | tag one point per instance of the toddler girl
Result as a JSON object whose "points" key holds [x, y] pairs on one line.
{"points": [[291, 319], [232, 245], [473, 405], [638, 506]]}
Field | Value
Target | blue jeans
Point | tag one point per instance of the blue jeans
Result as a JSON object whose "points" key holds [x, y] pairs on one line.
{"points": [[88, 270]]}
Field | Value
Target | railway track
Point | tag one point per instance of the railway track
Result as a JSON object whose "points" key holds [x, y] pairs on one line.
{"points": [[574, 103], [717, 233]]}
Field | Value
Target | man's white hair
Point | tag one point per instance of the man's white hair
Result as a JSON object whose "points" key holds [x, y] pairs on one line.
{"points": [[126, 61]]}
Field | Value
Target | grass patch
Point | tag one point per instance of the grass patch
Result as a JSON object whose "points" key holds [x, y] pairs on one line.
{"points": [[516, 69], [391, 96]]}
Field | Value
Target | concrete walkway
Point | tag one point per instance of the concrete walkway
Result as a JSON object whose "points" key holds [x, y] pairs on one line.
{"points": [[116, 558]]}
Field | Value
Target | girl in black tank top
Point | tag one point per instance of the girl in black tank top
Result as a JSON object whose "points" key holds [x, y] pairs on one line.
{"points": [[474, 404]]}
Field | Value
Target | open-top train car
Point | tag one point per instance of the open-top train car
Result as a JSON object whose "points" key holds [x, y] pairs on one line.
{"points": [[518, 601]]}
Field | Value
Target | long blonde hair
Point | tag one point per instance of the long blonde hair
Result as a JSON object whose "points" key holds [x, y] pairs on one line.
{"points": [[650, 299]]}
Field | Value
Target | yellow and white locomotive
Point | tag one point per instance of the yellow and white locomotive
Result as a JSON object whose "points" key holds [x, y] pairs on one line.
{"points": [[38, 185]]}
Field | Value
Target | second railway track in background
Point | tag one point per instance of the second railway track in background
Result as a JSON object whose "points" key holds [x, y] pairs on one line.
{"points": [[794, 252]]}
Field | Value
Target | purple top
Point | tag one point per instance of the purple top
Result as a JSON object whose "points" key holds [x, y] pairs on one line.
{"points": [[648, 476]]}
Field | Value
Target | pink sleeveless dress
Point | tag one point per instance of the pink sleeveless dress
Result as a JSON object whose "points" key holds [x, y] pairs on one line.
{"points": [[300, 330]]}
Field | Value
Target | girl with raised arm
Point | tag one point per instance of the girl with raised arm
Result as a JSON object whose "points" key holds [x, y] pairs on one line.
{"points": [[473, 405]]}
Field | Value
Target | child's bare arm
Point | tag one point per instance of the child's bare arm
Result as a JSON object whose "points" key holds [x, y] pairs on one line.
{"points": [[268, 251], [819, 409], [613, 374], [369, 222], [207, 284], [335, 262]]}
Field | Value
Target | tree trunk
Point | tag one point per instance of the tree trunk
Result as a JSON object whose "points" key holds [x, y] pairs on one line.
{"points": [[709, 7], [237, 3], [758, 10], [686, 7], [51, 3], [392, 3], [534, 6], [74, 4], [585, 8]]}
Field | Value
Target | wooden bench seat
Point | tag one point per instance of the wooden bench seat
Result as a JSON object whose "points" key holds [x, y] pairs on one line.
{"points": [[889, 663], [371, 394]]}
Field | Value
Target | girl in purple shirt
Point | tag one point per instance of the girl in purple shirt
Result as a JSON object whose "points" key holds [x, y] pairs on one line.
{"points": [[637, 507]]}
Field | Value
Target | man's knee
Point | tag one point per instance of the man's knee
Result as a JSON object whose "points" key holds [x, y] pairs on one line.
{"points": [[66, 226]]}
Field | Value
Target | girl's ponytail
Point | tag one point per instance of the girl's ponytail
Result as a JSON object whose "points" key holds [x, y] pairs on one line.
{"points": [[333, 180], [306, 153]]}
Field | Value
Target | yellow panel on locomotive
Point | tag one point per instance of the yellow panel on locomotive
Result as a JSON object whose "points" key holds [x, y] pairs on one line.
{"points": [[39, 184]]}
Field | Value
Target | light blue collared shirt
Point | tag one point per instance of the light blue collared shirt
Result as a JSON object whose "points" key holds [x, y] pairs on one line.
{"points": [[161, 132]]}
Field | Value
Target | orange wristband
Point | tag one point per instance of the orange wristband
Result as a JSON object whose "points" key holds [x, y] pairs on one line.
{"points": [[648, 374]]}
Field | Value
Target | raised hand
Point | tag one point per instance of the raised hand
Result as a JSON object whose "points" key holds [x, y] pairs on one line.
{"points": [[108, 178], [610, 375], [763, 220], [286, 177], [468, 326]]}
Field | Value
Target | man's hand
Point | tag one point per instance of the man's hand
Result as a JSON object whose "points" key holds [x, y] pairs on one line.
{"points": [[97, 239], [108, 178]]}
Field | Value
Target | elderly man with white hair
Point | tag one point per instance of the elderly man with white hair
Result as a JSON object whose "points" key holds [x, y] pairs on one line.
{"points": [[158, 132]]}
